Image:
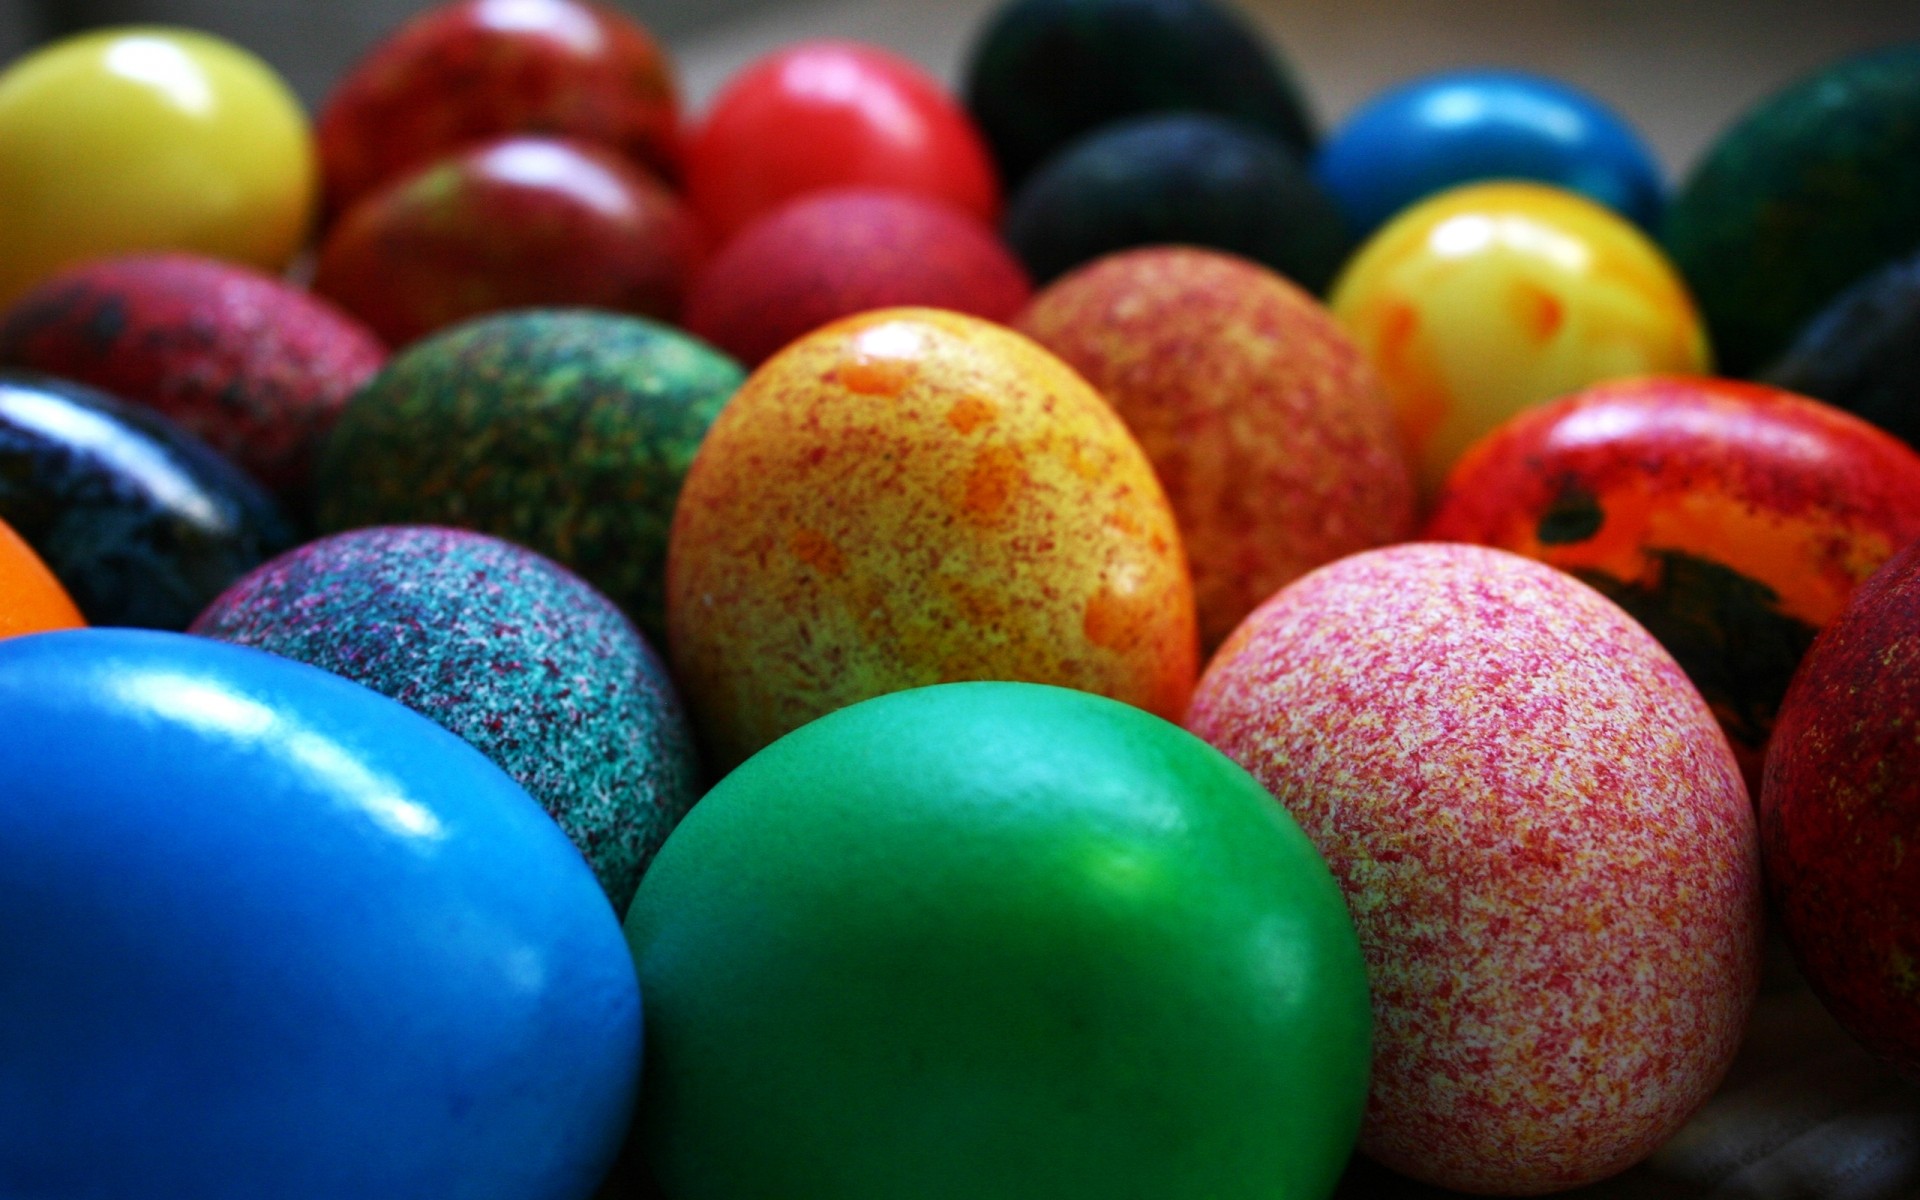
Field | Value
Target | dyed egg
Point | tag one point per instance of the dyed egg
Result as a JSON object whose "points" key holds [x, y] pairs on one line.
{"points": [[835, 253], [1731, 520], [1043, 72], [1265, 424], [278, 936], [568, 432], [1842, 795], [521, 222], [31, 599], [996, 940], [126, 139], [1544, 842], [532, 667], [1490, 298], [909, 497], [1459, 127], [827, 114], [1862, 353], [1816, 186], [139, 520], [1177, 178], [473, 70], [257, 369]]}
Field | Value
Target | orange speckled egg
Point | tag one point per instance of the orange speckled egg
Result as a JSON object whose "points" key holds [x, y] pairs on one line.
{"points": [[912, 496], [1489, 298], [1267, 426], [31, 599], [1544, 841]]}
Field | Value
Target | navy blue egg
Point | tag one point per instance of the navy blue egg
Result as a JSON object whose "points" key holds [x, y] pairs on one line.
{"points": [[1460, 127], [1862, 352], [139, 520], [269, 933]]}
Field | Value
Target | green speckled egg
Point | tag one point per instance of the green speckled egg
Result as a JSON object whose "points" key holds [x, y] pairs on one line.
{"points": [[1813, 188], [565, 431]]}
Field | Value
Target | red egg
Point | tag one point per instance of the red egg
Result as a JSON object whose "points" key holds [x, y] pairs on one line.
{"points": [[476, 69], [258, 369], [517, 223], [824, 114], [1841, 797], [832, 254], [1732, 520]]}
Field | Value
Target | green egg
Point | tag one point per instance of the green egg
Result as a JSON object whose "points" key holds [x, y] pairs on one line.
{"points": [[1816, 186]]}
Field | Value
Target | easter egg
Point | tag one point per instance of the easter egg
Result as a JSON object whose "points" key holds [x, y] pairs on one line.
{"points": [[473, 70], [1841, 796], [1176, 178], [1267, 427], [822, 114], [140, 521], [31, 599], [1731, 520], [125, 139], [835, 253], [1814, 187], [996, 940], [532, 667], [1456, 127], [1862, 352], [285, 938], [1487, 299], [521, 222], [568, 432], [257, 369], [1544, 841], [909, 497], [1043, 72]]}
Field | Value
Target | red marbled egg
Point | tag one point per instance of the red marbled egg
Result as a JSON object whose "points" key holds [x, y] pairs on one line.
{"points": [[1543, 839]]}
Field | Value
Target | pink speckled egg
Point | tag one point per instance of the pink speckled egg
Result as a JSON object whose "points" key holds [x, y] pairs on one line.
{"points": [[1545, 841]]}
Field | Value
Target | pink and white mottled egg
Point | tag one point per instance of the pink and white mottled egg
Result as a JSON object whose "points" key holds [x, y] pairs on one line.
{"points": [[1545, 842]]}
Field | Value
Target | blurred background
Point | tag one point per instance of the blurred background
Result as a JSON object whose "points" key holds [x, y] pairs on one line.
{"points": [[1680, 69]]}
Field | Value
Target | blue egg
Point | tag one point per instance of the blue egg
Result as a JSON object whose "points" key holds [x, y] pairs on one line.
{"points": [[269, 933], [1462, 126]]}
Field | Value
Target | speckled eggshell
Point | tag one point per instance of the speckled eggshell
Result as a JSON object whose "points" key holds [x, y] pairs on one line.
{"points": [[565, 431], [1265, 423], [255, 367], [909, 497], [507, 649], [1544, 840]]}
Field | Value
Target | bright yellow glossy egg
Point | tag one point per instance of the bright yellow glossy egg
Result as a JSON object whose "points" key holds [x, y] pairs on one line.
{"points": [[1490, 298], [141, 138]]}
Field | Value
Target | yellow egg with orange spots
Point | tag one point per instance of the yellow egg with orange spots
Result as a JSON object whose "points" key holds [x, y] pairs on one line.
{"points": [[909, 497], [1487, 299]]}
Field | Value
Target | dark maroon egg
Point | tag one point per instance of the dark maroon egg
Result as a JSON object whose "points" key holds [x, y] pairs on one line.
{"points": [[520, 222], [253, 366], [835, 253]]}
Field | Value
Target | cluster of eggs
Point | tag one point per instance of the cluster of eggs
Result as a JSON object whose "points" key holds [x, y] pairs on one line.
{"points": [[1099, 642]]}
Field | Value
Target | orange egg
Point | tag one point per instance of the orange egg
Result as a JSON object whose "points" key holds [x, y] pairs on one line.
{"points": [[31, 599], [911, 497]]}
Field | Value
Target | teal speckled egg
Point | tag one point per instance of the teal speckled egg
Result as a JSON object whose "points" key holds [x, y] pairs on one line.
{"points": [[1812, 189], [535, 669], [566, 431]]}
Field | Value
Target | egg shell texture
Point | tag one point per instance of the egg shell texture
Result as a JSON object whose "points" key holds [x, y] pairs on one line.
{"points": [[512, 652], [253, 366], [1264, 422], [1544, 840], [910, 497]]}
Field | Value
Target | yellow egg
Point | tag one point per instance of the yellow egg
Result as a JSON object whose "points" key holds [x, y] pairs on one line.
{"points": [[910, 497], [138, 138], [1487, 299]]}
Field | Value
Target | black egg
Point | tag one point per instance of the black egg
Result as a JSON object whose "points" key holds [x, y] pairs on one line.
{"points": [[1862, 353]]}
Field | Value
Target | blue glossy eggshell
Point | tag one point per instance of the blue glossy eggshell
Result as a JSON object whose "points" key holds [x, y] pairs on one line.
{"points": [[269, 933]]}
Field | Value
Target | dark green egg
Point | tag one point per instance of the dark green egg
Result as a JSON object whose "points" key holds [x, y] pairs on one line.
{"points": [[1862, 353], [1043, 72], [1813, 188], [565, 431]]}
